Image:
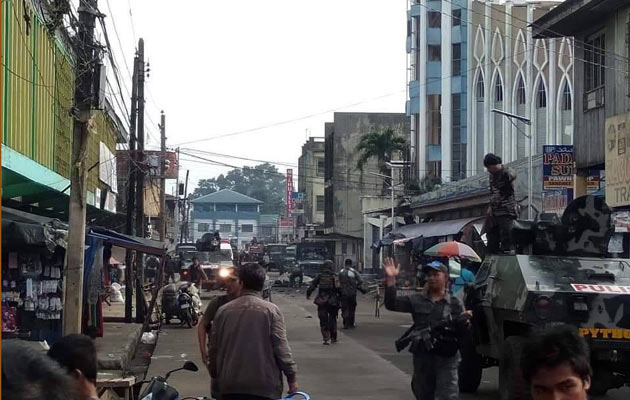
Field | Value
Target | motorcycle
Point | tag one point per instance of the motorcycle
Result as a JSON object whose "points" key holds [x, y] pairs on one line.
{"points": [[181, 300], [159, 389]]}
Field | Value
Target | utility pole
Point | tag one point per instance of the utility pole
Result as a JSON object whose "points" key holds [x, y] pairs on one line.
{"points": [[73, 297], [131, 192], [140, 185], [162, 178], [184, 235]]}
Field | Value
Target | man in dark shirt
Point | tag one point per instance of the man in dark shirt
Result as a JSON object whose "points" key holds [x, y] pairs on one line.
{"points": [[502, 211], [350, 281], [434, 375]]}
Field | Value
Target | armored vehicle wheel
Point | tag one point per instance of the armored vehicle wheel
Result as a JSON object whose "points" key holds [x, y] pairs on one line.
{"points": [[512, 386], [470, 368]]}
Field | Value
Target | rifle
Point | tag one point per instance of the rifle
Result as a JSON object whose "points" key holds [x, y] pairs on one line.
{"points": [[421, 340]]}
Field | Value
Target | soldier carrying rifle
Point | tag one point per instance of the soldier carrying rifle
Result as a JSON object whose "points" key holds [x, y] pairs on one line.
{"points": [[439, 323]]}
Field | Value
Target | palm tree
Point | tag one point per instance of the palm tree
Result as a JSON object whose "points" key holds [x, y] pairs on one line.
{"points": [[380, 145]]}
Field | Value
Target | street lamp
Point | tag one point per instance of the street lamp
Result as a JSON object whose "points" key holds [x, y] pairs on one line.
{"points": [[526, 121], [392, 165]]}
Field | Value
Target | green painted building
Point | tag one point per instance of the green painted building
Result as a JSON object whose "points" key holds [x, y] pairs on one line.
{"points": [[38, 80]]}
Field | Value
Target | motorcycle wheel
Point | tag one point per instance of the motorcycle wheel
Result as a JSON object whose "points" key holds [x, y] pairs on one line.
{"points": [[187, 318], [195, 318]]}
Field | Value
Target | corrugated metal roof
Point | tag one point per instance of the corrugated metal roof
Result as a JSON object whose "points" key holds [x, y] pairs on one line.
{"points": [[227, 196]]}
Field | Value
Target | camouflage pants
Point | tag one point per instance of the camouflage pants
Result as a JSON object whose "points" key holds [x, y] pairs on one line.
{"points": [[500, 234], [328, 321], [435, 377]]}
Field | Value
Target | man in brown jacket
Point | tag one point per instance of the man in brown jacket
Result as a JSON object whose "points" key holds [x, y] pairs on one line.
{"points": [[249, 350]]}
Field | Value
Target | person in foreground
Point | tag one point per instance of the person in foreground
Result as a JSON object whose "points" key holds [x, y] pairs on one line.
{"points": [[249, 350], [433, 310], [234, 289], [328, 300], [556, 365], [77, 354], [31, 375]]}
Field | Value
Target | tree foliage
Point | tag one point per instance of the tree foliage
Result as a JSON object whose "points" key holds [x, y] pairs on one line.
{"points": [[380, 145], [263, 182]]}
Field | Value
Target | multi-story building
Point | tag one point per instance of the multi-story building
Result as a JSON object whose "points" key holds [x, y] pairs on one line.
{"points": [[468, 57], [235, 215], [345, 184], [311, 169], [601, 32], [38, 84]]}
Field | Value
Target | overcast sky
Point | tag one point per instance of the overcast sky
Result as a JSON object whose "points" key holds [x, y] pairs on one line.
{"points": [[219, 67]]}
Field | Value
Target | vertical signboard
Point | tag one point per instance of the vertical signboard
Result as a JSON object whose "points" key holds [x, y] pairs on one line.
{"points": [[617, 161], [298, 202], [289, 193], [557, 178]]}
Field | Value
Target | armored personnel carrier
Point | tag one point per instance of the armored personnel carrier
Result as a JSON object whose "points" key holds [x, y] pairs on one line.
{"points": [[565, 277]]}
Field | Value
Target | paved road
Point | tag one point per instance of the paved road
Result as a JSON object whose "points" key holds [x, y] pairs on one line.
{"points": [[364, 365]]}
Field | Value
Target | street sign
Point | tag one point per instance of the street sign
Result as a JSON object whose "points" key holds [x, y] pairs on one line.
{"points": [[617, 161], [298, 202]]}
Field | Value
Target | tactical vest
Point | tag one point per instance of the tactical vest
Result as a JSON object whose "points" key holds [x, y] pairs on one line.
{"points": [[328, 281]]}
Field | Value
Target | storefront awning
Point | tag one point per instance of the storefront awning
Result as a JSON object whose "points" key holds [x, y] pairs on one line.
{"points": [[146, 246]]}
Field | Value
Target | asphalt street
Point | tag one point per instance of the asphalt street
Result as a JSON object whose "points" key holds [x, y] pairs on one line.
{"points": [[363, 365]]}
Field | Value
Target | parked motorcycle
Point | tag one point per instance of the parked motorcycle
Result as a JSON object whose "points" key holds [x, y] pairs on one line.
{"points": [[159, 389], [181, 300]]}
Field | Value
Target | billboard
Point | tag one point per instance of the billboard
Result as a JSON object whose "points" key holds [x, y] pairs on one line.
{"points": [[617, 161], [152, 159], [558, 174], [298, 202]]}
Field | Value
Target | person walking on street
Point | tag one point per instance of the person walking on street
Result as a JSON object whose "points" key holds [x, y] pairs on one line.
{"points": [[503, 209], [350, 281], [234, 289], [328, 300], [249, 349], [196, 272], [434, 369], [296, 273], [556, 365]]}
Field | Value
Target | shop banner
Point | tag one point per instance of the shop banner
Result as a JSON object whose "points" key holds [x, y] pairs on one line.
{"points": [[555, 201], [617, 161], [298, 202], [621, 221], [289, 195], [557, 167]]}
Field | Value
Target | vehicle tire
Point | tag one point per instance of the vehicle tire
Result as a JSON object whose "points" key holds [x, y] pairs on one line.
{"points": [[195, 318], [512, 386], [470, 368], [602, 381]]}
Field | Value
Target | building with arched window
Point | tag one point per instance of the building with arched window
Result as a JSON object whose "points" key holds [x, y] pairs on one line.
{"points": [[468, 57]]}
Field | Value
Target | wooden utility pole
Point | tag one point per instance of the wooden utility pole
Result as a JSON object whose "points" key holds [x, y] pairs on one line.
{"points": [[184, 236], [162, 178], [83, 99], [131, 192], [140, 171]]}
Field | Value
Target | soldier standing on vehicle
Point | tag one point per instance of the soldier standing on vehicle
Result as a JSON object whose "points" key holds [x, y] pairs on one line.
{"points": [[328, 300], [350, 281], [435, 369], [502, 213]]}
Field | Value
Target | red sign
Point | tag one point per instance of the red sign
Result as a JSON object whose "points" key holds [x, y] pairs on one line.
{"points": [[607, 289], [289, 192]]}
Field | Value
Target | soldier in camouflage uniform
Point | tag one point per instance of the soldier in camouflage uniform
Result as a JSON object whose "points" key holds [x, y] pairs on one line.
{"points": [[350, 280], [328, 300], [434, 372], [502, 213]]}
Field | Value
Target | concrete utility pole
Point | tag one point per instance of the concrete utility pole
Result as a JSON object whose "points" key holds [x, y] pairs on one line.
{"points": [[131, 191], [140, 185], [73, 296], [184, 235], [162, 178]]}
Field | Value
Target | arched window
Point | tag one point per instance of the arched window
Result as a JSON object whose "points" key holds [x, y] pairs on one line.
{"points": [[520, 91], [541, 95], [566, 97], [498, 89], [479, 89]]}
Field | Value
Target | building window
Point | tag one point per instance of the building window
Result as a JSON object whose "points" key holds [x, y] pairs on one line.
{"points": [[457, 17], [434, 119], [225, 207], [480, 88], [321, 167], [541, 95], [203, 227], [498, 90], [520, 91], [247, 228], [457, 59], [320, 204], [435, 52], [225, 228], [566, 97], [595, 62], [435, 19], [344, 247]]}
